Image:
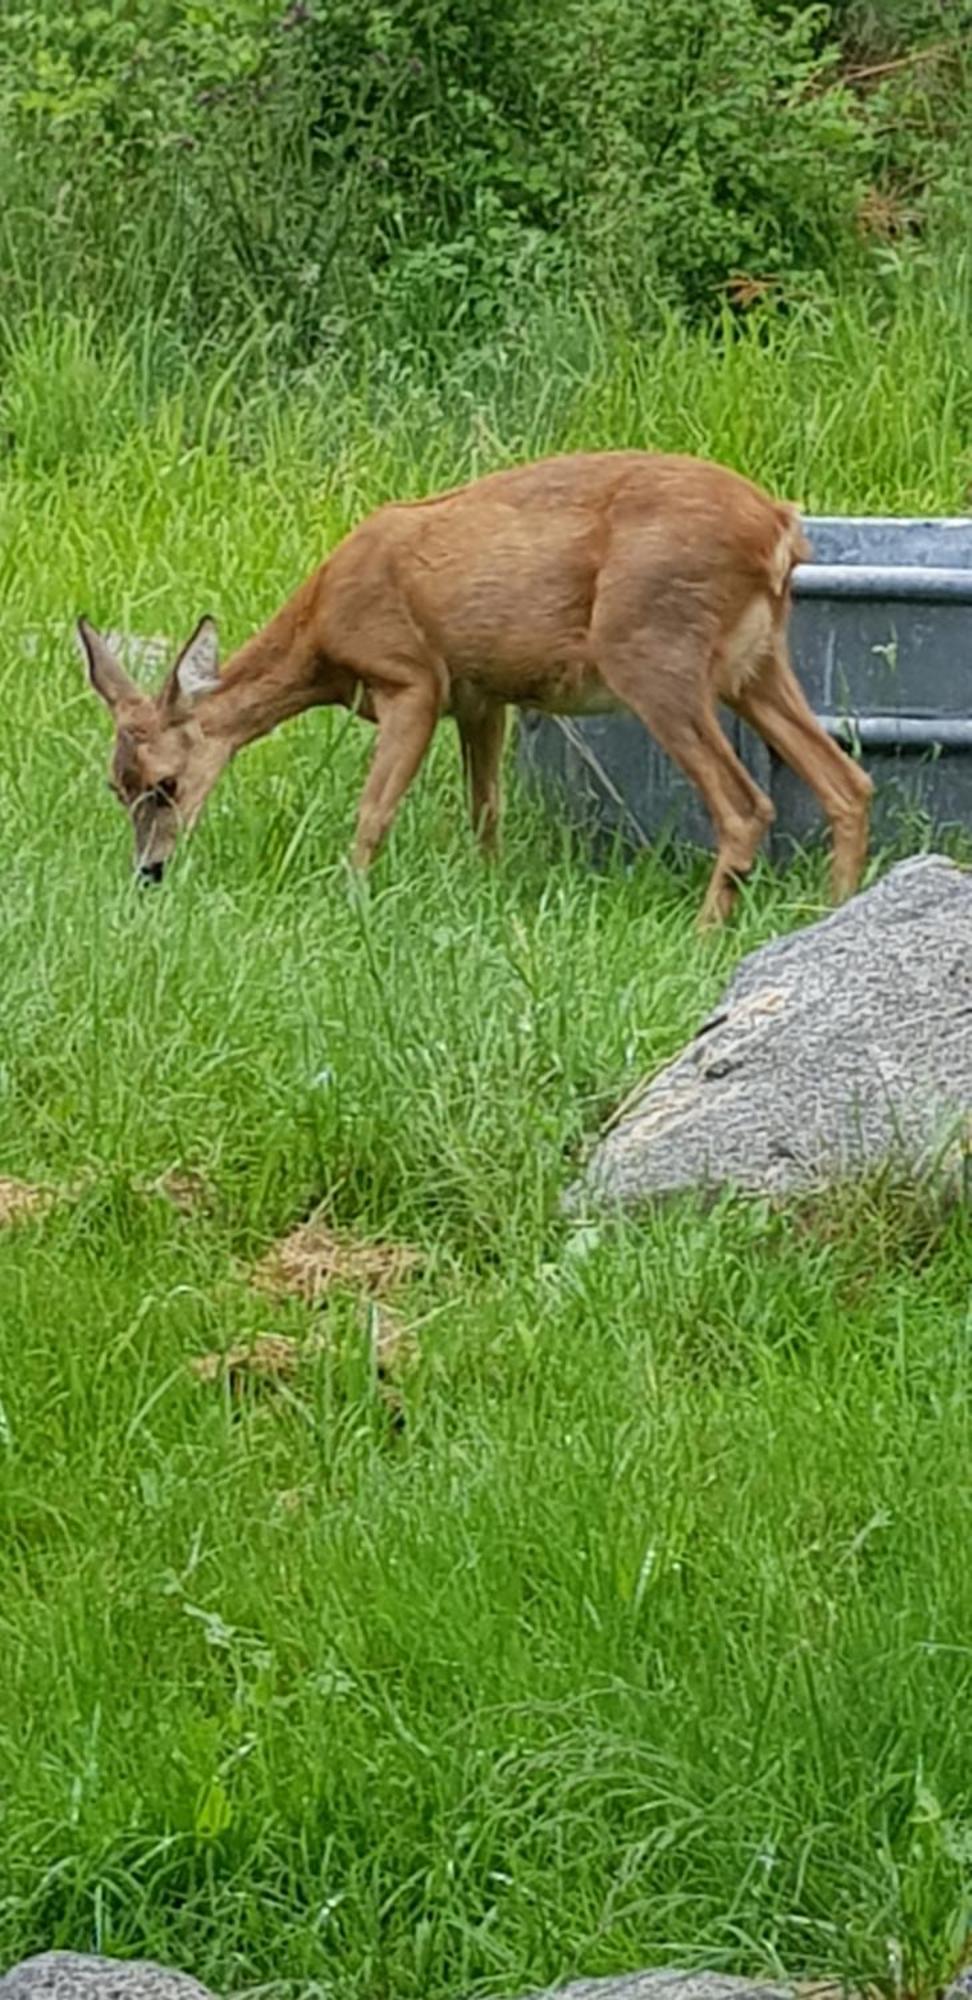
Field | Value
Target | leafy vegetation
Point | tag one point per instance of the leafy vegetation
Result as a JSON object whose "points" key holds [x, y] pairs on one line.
{"points": [[642, 1635], [441, 165]]}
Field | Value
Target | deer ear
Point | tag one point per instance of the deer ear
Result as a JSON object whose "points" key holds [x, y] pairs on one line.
{"points": [[108, 679], [196, 671]]}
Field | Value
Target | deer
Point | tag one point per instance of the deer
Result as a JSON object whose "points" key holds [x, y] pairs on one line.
{"points": [[576, 585]]}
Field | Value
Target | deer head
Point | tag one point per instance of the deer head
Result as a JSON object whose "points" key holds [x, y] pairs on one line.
{"points": [[163, 764]]}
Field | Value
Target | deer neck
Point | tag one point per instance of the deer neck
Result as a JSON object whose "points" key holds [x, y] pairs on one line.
{"points": [[274, 676]]}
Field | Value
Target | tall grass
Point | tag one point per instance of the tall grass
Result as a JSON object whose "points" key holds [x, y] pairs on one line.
{"points": [[646, 1637], [860, 402]]}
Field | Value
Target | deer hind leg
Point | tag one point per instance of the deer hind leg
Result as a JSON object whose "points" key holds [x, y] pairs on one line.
{"points": [[406, 723], [482, 727], [774, 703], [667, 687]]}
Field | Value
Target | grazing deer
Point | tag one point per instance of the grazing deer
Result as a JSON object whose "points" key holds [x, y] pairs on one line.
{"points": [[575, 585]]}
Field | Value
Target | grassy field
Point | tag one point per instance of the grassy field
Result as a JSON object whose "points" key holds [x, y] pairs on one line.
{"points": [[645, 1636]]}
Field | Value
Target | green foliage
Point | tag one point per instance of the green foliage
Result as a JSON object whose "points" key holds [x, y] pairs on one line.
{"points": [[645, 1636], [443, 164], [883, 28]]}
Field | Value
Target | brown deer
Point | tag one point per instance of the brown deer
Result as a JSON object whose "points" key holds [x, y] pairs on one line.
{"points": [[575, 585]]}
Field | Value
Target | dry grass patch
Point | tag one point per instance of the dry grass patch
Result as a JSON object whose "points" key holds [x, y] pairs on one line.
{"points": [[271, 1358], [312, 1259], [268, 1357], [19, 1200]]}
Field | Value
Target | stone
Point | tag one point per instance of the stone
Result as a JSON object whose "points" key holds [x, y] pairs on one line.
{"points": [[667, 1984], [961, 1987], [835, 1051], [136, 651], [71, 1975], [66, 1975]]}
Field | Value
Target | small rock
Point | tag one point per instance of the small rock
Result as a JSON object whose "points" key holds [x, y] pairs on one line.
{"points": [[70, 1975], [961, 1987], [836, 1051]]}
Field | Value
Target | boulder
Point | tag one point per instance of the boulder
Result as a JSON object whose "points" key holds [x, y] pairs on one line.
{"points": [[834, 1051], [68, 1975], [668, 1984], [71, 1975]]}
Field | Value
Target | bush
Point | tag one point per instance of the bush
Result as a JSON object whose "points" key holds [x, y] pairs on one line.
{"points": [[438, 163]]}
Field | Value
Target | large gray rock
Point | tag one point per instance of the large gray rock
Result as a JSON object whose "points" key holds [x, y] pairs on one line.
{"points": [[667, 1984], [68, 1975], [71, 1975], [832, 1051]]}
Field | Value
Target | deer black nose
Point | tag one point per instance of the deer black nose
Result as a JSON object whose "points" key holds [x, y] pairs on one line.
{"points": [[150, 871]]}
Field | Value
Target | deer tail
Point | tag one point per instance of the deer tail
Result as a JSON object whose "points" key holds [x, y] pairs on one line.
{"points": [[790, 547]]}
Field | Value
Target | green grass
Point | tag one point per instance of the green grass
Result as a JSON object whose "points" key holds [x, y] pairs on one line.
{"points": [[646, 1637]]}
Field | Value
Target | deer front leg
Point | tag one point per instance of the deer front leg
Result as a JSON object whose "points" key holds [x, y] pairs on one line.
{"points": [[406, 723]]}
